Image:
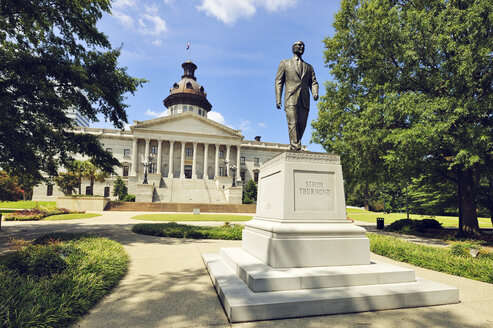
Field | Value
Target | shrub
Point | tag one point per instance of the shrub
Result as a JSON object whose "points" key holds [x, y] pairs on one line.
{"points": [[247, 200], [57, 278], [251, 190], [175, 230], [411, 226], [36, 213], [37, 260], [129, 198], [120, 189]]}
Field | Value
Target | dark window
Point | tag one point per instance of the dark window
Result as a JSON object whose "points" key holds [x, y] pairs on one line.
{"points": [[256, 161], [126, 152], [222, 171], [221, 154], [242, 176], [255, 177], [242, 160], [88, 190], [189, 85], [49, 190], [188, 151], [154, 150], [106, 191], [125, 171]]}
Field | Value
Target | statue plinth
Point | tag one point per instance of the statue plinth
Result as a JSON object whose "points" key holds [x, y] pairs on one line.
{"points": [[300, 256], [301, 215]]}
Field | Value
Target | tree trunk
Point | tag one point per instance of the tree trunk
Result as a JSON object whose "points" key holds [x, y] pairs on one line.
{"points": [[468, 181], [92, 186], [367, 205], [79, 182], [407, 205]]}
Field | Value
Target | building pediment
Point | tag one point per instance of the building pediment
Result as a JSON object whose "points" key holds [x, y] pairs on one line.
{"points": [[185, 124]]}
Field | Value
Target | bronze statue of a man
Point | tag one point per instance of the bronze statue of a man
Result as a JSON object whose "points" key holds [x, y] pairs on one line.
{"points": [[299, 78]]}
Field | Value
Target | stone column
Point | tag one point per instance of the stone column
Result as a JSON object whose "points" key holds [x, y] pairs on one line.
{"points": [[171, 150], [159, 156], [228, 149], [238, 164], [146, 153], [216, 163], [182, 163], [194, 162], [206, 155], [134, 157]]}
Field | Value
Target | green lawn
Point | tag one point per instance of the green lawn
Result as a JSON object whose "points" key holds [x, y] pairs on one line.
{"points": [[192, 217], [26, 204], [72, 216], [453, 260], [446, 221]]}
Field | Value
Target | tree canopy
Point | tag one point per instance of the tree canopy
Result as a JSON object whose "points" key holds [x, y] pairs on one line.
{"points": [[53, 58], [412, 93]]}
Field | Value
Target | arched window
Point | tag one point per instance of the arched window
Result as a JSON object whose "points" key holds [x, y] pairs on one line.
{"points": [[189, 85], [175, 86]]}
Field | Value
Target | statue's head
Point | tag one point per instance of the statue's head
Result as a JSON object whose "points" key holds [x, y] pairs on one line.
{"points": [[298, 48]]}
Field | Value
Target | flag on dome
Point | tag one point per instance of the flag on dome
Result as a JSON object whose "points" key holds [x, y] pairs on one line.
{"points": [[188, 45]]}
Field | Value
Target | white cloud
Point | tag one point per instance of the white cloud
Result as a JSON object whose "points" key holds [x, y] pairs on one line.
{"points": [[245, 125], [152, 25], [216, 116], [228, 11], [124, 19], [156, 114], [124, 3], [262, 124], [145, 17]]}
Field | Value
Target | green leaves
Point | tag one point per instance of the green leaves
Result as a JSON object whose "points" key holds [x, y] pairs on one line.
{"points": [[53, 58], [412, 86]]}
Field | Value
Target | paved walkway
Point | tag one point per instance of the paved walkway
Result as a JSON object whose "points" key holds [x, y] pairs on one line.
{"points": [[168, 286]]}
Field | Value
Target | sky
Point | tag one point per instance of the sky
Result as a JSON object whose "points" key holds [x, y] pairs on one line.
{"points": [[237, 46]]}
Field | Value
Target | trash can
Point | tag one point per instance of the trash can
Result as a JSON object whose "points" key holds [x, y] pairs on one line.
{"points": [[380, 223]]}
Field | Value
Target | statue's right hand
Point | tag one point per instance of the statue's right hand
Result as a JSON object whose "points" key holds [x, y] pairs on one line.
{"points": [[278, 105]]}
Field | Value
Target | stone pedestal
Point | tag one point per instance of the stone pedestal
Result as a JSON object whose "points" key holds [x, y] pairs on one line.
{"points": [[301, 215], [300, 256]]}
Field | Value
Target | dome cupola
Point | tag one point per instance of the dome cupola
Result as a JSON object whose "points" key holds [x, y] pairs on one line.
{"points": [[187, 94]]}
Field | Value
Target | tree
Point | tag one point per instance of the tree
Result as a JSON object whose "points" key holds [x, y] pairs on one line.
{"points": [[93, 173], [120, 189], [9, 189], [251, 190], [52, 58], [68, 182], [77, 168], [416, 78]]}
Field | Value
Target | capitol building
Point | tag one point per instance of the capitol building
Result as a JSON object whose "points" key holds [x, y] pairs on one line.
{"points": [[189, 158]]}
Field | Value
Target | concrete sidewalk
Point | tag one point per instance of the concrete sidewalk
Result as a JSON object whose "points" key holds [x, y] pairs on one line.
{"points": [[168, 286]]}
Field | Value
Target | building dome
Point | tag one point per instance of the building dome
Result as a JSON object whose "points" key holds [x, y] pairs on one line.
{"points": [[187, 94]]}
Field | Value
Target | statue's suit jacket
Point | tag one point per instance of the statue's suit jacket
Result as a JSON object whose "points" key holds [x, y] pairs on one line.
{"points": [[298, 84]]}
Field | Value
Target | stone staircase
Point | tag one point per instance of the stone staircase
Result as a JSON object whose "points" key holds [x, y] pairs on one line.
{"points": [[180, 207], [170, 190]]}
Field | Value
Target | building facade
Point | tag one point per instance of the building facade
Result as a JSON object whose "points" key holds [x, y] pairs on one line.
{"points": [[188, 157]]}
